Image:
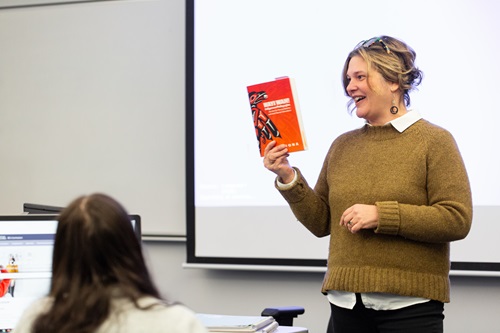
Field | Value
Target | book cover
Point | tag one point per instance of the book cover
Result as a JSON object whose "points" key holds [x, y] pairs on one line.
{"points": [[228, 323], [276, 114]]}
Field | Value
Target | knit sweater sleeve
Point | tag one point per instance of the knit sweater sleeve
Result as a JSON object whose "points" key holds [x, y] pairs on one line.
{"points": [[309, 206], [447, 216]]}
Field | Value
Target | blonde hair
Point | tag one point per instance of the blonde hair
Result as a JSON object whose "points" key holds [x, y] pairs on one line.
{"points": [[393, 59]]}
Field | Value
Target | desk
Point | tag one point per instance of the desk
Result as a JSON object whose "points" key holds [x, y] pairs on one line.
{"points": [[227, 321]]}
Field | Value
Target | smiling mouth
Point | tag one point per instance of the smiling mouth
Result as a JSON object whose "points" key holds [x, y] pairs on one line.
{"points": [[358, 99]]}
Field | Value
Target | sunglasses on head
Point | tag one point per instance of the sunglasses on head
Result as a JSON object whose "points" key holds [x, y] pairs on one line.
{"points": [[371, 41]]}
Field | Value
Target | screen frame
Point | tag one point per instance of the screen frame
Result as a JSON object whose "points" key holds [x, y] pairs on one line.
{"points": [[228, 262]]}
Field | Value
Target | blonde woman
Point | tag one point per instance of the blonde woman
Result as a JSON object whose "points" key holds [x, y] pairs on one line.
{"points": [[391, 195]]}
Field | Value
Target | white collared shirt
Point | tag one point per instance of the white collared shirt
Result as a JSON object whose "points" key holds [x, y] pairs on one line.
{"points": [[406, 120]]}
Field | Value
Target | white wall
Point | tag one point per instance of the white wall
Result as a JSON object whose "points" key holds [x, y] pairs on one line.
{"points": [[92, 99]]}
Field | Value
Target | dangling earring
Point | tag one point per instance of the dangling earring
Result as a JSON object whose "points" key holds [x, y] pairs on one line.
{"points": [[394, 108]]}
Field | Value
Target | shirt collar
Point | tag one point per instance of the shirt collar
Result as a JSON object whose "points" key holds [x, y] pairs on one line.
{"points": [[406, 120]]}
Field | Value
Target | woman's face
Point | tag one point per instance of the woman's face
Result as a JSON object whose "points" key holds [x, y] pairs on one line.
{"points": [[371, 93]]}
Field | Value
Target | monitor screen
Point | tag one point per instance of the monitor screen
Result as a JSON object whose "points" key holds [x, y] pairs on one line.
{"points": [[26, 244]]}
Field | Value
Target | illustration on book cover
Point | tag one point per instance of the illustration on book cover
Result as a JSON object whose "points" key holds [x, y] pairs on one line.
{"points": [[276, 114]]}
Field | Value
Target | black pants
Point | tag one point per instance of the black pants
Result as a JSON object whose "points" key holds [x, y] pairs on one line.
{"points": [[419, 318]]}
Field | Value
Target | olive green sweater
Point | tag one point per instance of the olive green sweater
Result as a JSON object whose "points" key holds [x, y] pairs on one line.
{"points": [[418, 181]]}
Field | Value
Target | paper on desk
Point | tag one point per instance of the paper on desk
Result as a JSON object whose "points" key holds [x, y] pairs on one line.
{"points": [[228, 323]]}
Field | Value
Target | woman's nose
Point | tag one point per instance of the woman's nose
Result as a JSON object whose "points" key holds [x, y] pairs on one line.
{"points": [[351, 87]]}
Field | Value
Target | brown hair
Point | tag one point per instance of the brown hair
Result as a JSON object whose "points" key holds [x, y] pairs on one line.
{"points": [[96, 254], [392, 58]]}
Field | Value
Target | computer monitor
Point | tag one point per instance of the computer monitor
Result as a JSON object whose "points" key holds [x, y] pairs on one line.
{"points": [[26, 245], [33, 208]]}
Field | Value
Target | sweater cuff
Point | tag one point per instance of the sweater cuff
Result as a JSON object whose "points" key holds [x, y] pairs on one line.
{"points": [[388, 217], [282, 186], [296, 191]]}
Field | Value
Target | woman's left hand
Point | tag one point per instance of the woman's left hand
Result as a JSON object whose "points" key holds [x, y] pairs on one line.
{"points": [[359, 217]]}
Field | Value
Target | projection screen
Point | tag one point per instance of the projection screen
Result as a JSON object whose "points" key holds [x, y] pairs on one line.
{"points": [[236, 218]]}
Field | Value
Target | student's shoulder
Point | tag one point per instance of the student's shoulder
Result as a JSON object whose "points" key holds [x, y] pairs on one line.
{"points": [[175, 318], [36, 308], [183, 319]]}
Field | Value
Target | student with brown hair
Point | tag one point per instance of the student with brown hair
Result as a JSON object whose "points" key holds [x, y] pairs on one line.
{"points": [[100, 282]]}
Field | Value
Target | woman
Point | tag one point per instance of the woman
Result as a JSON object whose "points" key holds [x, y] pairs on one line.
{"points": [[100, 282], [392, 195]]}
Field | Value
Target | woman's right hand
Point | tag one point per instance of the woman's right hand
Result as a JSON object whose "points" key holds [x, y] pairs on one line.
{"points": [[276, 160]]}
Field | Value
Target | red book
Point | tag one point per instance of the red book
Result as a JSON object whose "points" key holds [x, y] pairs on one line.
{"points": [[276, 114]]}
